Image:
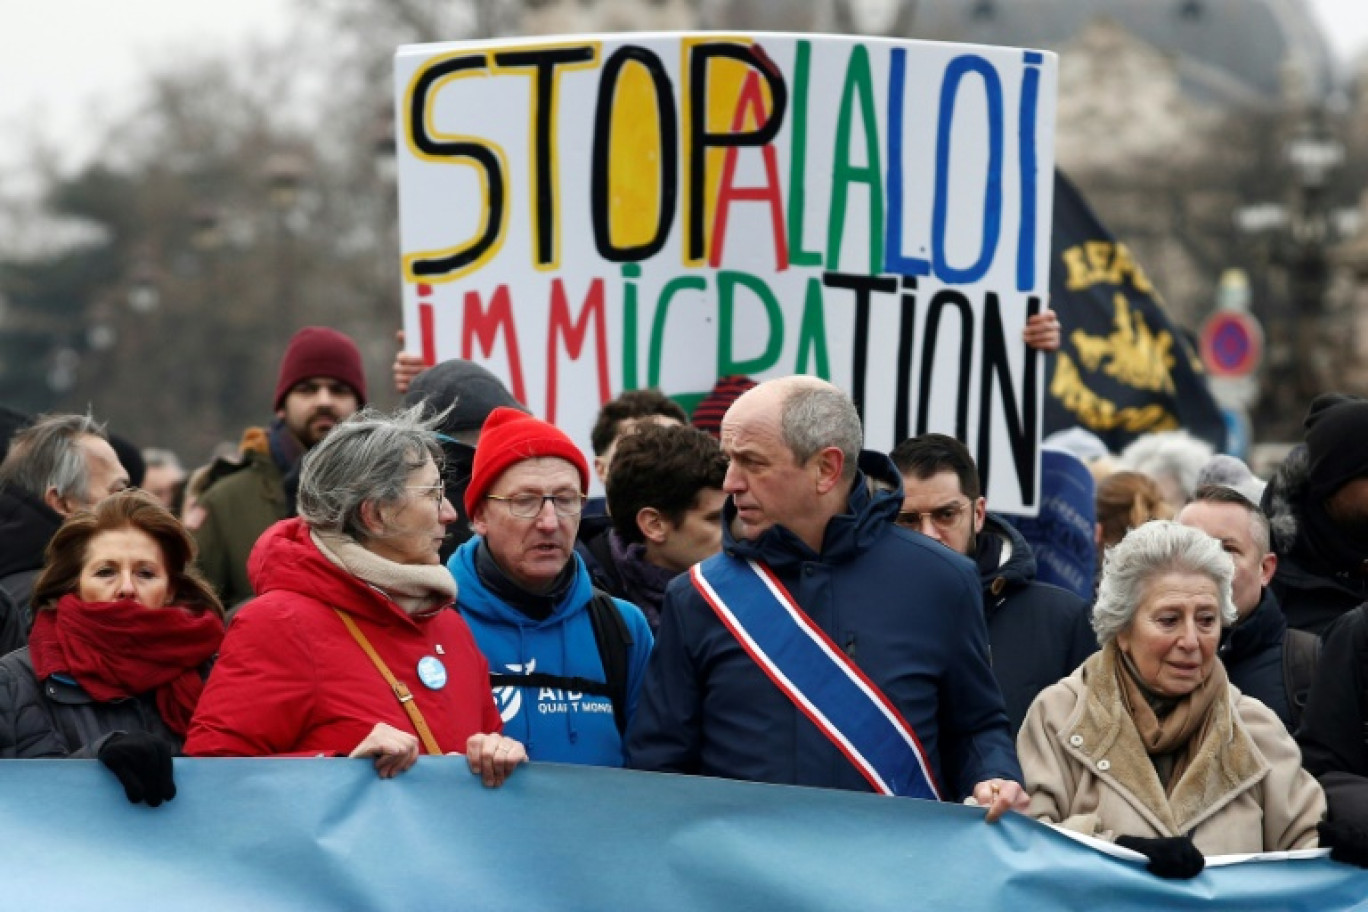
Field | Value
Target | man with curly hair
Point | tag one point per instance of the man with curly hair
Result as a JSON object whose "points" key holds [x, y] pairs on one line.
{"points": [[665, 497]]}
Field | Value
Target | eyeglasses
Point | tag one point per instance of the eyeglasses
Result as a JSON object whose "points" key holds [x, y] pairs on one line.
{"points": [[529, 506], [942, 518], [435, 492]]}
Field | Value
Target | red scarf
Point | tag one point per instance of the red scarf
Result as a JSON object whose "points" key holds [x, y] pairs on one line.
{"points": [[123, 649]]}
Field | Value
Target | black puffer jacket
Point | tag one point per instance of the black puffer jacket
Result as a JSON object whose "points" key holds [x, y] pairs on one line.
{"points": [[56, 718], [26, 526], [1038, 633], [1334, 749], [1312, 588]]}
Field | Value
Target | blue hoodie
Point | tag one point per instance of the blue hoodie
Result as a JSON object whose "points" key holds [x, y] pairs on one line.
{"points": [[556, 726]]}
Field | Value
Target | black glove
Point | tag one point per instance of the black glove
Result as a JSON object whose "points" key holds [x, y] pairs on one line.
{"points": [[1174, 857], [1347, 842], [143, 764]]}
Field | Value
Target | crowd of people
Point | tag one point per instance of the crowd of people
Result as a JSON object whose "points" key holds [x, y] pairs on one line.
{"points": [[757, 597]]}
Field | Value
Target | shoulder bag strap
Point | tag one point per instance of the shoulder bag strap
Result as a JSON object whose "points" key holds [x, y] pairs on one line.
{"points": [[401, 691]]}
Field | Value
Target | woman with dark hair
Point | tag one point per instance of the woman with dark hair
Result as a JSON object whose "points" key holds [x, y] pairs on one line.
{"points": [[351, 647], [123, 634]]}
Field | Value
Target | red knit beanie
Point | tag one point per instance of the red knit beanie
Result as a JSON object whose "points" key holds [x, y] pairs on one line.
{"points": [[510, 436], [316, 351]]}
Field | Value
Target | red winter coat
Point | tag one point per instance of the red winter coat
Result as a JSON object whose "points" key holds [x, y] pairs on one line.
{"points": [[291, 679]]}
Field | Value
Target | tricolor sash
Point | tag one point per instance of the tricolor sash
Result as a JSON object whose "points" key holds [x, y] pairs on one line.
{"points": [[816, 676]]}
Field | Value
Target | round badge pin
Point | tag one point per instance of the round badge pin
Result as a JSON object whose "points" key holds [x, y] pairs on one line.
{"points": [[432, 672]]}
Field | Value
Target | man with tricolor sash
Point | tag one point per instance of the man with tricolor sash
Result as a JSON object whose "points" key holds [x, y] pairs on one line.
{"points": [[824, 646]]}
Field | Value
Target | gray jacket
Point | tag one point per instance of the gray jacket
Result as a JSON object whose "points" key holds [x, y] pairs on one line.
{"points": [[56, 718]]}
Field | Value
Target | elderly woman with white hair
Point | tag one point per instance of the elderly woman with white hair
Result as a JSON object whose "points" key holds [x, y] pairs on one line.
{"points": [[1147, 744], [351, 647]]}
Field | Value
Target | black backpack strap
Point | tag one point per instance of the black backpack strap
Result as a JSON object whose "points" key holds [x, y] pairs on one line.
{"points": [[1301, 652], [614, 643]]}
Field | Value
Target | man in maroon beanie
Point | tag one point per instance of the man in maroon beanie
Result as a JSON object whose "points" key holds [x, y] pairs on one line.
{"points": [[566, 661], [321, 383]]}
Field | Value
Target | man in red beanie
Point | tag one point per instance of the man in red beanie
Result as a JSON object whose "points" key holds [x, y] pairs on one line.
{"points": [[566, 661], [321, 383]]}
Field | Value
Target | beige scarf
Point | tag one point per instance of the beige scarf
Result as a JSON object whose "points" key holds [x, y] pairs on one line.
{"points": [[1180, 732], [419, 589]]}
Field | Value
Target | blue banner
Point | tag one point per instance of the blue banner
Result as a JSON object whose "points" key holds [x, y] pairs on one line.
{"points": [[261, 835]]}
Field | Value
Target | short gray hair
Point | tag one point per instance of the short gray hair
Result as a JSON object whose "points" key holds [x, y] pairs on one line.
{"points": [[1259, 529], [47, 454], [815, 417], [158, 458], [366, 458], [1158, 547], [1169, 454]]}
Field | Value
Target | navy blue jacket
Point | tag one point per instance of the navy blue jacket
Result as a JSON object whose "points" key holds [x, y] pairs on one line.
{"points": [[905, 608], [1039, 633], [1252, 653]]}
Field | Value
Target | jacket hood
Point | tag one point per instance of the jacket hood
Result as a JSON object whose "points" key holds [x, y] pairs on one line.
{"points": [[286, 559], [476, 600], [254, 448], [875, 498], [1307, 558], [26, 526], [1283, 497], [1020, 567]]}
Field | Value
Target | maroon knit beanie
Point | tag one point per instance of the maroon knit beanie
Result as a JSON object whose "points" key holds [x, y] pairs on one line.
{"points": [[316, 351], [708, 414], [510, 436]]}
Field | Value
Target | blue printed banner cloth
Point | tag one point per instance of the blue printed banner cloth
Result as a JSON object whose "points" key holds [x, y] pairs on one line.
{"points": [[263, 835]]}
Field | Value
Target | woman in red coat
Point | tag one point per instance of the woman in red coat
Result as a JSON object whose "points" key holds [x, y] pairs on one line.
{"points": [[351, 647]]}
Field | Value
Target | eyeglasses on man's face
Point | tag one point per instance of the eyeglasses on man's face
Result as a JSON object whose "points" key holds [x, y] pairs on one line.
{"points": [[943, 518], [529, 506]]}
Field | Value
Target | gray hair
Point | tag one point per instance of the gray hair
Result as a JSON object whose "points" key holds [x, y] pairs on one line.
{"points": [[1158, 547], [157, 458], [47, 455], [1259, 529], [1169, 454], [366, 458], [814, 417]]}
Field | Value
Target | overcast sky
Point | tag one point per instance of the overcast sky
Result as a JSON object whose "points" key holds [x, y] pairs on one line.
{"points": [[62, 61]]}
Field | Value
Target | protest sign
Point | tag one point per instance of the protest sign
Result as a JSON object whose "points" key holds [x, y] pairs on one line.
{"points": [[585, 215]]}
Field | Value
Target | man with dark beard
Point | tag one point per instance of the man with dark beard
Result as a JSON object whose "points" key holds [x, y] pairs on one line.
{"points": [[321, 383], [1317, 505]]}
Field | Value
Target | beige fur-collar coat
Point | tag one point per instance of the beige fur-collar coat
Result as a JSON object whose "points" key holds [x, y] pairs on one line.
{"points": [[1086, 769]]}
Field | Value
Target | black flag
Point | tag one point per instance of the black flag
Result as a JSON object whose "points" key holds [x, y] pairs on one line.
{"points": [[1123, 369]]}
